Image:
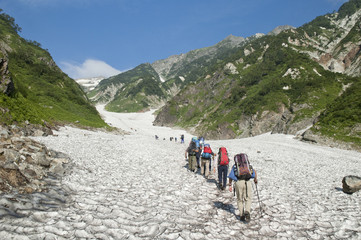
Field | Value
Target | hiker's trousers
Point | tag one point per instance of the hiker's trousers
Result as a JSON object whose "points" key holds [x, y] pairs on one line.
{"points": [[244, 196], [205, 167], [222, 175], [192, 161]]}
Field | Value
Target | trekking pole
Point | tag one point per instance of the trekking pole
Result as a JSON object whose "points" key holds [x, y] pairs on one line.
{"points": [[260, 208]]}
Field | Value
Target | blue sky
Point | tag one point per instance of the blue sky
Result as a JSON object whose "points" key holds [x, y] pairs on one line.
{"points": [[89, 38]]}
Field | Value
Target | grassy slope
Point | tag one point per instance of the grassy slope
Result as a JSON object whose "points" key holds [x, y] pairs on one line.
{"points": [[42, 91]]}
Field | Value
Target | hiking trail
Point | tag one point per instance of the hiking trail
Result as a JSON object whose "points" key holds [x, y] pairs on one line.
{"points": [[135, 187]]}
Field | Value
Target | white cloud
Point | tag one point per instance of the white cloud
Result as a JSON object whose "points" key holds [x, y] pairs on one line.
{"points": [[90, 68]]}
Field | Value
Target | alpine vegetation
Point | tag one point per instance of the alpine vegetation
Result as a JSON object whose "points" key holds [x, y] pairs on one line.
{"points": [[32, 87]]}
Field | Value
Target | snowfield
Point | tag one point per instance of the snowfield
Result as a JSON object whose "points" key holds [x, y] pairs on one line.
{"points": [[135, 187]]}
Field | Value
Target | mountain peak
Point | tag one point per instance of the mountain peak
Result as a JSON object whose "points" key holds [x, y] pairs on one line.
{"points": [[280, 29]]}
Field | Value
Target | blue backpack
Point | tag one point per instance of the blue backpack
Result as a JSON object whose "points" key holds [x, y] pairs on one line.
{"points": [[207, 152]]}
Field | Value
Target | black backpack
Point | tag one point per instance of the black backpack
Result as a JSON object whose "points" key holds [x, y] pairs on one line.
{"points": [[192, 148]]}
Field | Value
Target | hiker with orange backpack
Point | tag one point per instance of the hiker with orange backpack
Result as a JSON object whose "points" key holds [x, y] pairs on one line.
{"points": [[206, 158], [241, 172], [223, 162]]}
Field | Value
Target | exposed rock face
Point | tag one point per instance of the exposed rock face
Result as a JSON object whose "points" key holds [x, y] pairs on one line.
{"points": [[351, 184], [280, 29], [25, 163], [170, 67], [328, 52], [230, 68], [6, 84]]}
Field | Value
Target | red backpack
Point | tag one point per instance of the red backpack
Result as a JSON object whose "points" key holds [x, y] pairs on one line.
{"points": [[223, 156], [207, 148]]}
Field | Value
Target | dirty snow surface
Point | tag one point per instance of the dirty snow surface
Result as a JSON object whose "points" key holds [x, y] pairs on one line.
{"points": [[136, 187]]}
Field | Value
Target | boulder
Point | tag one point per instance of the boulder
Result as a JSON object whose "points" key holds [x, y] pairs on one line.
{"points": [[57, 166], [41, 159], [10, 159], [351, 184]]}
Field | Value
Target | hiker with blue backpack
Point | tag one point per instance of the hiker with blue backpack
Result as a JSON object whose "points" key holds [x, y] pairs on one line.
{"points": [[206, 158], [241, 172]]}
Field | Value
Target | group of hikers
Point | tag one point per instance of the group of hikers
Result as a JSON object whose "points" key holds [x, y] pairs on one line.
{"points": [[200, 155], [171, 138]]}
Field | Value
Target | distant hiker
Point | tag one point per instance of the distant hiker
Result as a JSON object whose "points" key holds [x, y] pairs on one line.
{"points": [[192, 150], [223, 161], [156, 137], [182, 138], [242, 172], [175, 139], [171, 138], [201, 141], [206, 158]]}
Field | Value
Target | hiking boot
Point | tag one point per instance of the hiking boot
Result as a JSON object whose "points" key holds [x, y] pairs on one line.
{"points": [[247, 217]]}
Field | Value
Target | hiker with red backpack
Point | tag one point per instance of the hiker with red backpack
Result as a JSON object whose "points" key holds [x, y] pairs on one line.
{"points": [[206, 158], [223, 162], [241, 172]]}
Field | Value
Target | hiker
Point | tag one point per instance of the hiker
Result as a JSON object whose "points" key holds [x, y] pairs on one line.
{"points": [[241, 173], [175, 139], [198, 154], [192, 150], [182, 138], [201, 144], [206, 158], [201, 141], [223, 161]]}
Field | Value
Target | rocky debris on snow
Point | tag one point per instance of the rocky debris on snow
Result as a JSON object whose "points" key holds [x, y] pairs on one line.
{"points": [[25, 163], [351, 184], [30, 173], [310, 137]]}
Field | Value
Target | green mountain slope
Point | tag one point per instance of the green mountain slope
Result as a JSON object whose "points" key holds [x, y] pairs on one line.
{"points": [[284, 84], [151, 85], [33, 88], [131, 91]]}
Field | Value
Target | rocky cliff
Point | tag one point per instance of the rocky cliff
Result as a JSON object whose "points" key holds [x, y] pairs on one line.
{"points": [[6, 84]]}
